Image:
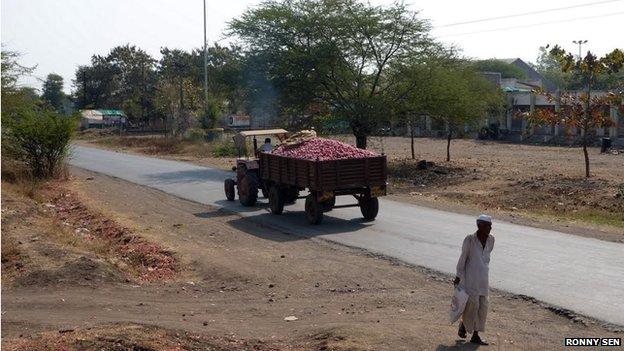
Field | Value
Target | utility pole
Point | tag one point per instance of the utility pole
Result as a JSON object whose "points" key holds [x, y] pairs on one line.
{"points": [[577, 42], [205, 64]]}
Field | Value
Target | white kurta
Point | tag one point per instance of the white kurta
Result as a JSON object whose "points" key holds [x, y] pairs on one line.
{"points": [[265, 148], [473, 265]]}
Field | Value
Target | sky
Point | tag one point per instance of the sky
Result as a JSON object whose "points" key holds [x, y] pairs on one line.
{"points": [[57, 36]]}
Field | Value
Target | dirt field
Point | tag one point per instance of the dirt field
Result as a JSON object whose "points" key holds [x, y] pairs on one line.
{"points": [[236, 283], [542, 186]]}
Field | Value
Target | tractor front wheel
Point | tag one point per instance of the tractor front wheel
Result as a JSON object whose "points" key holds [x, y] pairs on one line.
{"points": [[230, 191]]}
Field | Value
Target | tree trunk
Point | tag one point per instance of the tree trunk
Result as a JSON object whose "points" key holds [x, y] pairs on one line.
{"points": [[412, 140], [586, 157], [586, 127], [448, 145], [360, 140]]}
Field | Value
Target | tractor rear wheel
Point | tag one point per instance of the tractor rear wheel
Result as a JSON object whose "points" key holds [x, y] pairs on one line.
{"points": [[248, 190]]}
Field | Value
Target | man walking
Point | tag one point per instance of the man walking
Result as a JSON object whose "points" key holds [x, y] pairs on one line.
{"points": [[472, 276]]}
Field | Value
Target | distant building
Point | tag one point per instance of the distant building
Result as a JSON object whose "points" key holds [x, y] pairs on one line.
{"points": [[531, 76], [102, 118]]}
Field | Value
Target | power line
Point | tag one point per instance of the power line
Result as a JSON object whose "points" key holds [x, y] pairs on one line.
{"points": [[533, 24], [528, 13]]}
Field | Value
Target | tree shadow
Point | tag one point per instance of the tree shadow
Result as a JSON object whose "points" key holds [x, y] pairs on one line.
{"points": [[459, 345], [220, 212], [189, 176]]}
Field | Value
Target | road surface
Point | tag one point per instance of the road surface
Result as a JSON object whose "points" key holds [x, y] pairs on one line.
{"points": [[584, 275]]}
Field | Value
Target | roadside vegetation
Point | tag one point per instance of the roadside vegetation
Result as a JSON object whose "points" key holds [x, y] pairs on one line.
{"points": [[40, 215]]}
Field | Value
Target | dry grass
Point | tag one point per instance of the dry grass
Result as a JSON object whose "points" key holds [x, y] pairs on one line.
{"points": [[141, 258], [126, 336], [58, 221]]}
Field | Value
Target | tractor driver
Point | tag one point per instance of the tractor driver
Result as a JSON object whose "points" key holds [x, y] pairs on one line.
{"points": [[266, 147]]}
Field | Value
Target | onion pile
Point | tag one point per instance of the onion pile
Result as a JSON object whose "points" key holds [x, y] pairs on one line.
{"points": [[322, 149]]}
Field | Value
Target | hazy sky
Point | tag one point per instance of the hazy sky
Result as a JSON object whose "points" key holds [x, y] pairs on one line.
{"points": [[60, 35]]}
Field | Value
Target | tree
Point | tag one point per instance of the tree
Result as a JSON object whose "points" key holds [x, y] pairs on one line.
{"points": [[179, 94], [582, 110], [123, 79], [550, 69], [337, 51], [32, 134], [450, 91], [53, 91], [492, 65], [13, 96]]}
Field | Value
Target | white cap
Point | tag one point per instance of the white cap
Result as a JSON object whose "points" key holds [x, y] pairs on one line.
{"points": [[484, 218]]}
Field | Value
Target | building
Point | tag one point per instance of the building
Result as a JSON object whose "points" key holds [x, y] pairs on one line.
{"points": [[531, 76], [102, 118], [521, 97]]}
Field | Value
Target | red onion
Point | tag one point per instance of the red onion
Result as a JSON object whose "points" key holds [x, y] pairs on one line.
{"points": [[322, 149]]}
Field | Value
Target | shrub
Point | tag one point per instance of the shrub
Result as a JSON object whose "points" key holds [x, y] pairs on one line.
{"points": [[195, 134], [39, 139], [224, 150]]}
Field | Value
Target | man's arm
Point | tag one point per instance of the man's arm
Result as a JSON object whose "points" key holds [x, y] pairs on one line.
{"points": [[461, 263]]}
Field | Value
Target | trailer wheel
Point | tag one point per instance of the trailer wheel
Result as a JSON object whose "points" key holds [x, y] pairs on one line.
{"points": [[248, 190], [276, 200], [329, 204], [313, 209], [291, 195], [230, 191], [369, 207]]}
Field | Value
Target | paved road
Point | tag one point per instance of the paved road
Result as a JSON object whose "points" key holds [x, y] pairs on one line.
{"points": [[581, 274]]}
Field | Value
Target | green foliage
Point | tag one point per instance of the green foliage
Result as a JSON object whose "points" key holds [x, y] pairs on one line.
{"points": [[15, 98], [53, 91], [124, 79], [195, 134], [340, 52], [571, 73], [451, 92], [38, 138], [209, 118], [226, 149], [330, 124], [492, 65]]}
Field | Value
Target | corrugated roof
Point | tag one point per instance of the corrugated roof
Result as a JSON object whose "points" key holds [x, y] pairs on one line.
{"points": [[107, 112]]}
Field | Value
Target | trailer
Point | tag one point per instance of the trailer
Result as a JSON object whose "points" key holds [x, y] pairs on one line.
{"points": [[362, 178], [282, 178]]}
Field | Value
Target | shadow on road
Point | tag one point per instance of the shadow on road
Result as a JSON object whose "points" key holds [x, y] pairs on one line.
{"points": [[294, 226], [221, 212], [188, 176], [459, 345], [235, 206]]}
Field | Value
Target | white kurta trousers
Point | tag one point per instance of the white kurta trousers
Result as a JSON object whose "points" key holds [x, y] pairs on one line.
{"points": [[475, 313]]}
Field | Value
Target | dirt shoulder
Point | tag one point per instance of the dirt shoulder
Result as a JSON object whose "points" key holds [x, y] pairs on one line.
{"points": [[540, 186], [244, 279]]}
